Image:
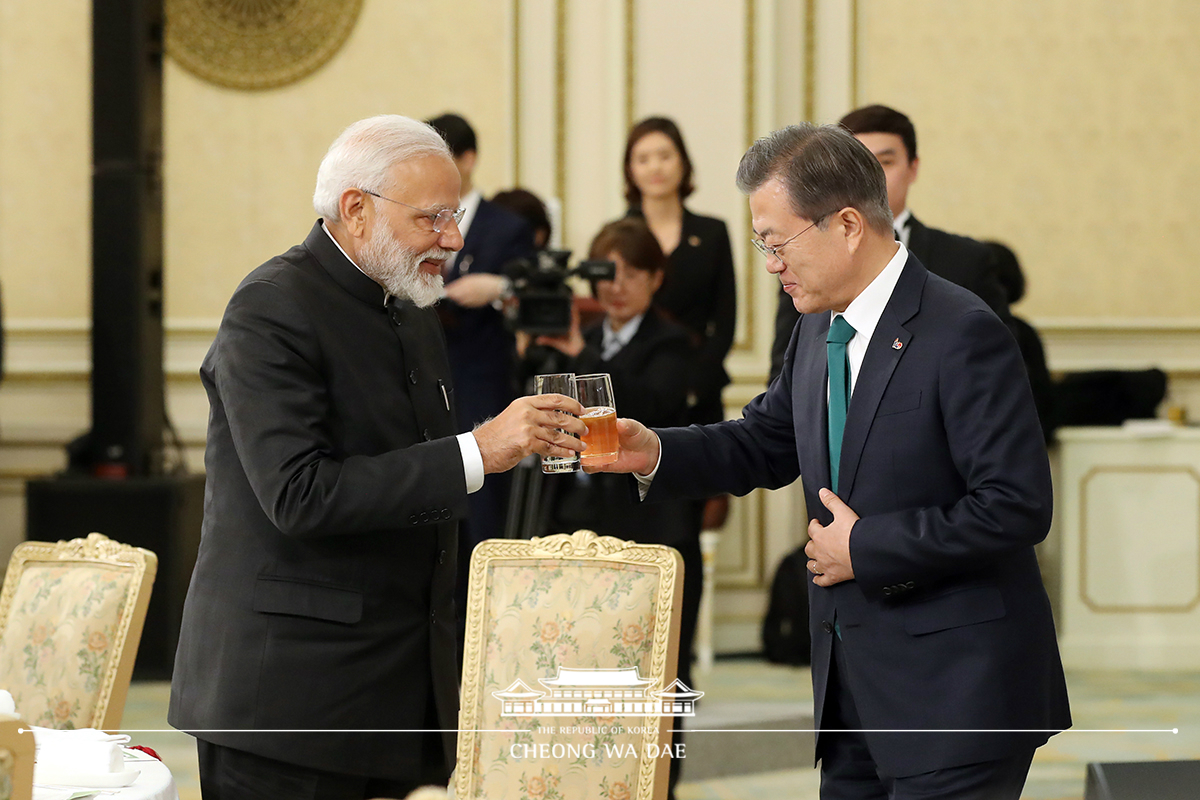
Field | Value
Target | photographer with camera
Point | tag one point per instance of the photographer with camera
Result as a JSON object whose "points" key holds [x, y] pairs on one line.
{"points": [[648, 357]]}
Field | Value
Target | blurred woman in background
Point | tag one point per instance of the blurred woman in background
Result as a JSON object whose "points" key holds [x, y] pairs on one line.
{"points": [[699, 290]]}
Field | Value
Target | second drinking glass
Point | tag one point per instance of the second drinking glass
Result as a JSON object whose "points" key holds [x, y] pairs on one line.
{"points": [[600, 416]]}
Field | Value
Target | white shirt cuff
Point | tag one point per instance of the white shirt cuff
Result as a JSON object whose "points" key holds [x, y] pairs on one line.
{"points": [[644, 481], [472, 461]]}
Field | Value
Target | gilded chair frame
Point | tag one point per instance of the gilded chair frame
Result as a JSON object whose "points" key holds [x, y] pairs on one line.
{"points": [[96, 549], [583, 545]]}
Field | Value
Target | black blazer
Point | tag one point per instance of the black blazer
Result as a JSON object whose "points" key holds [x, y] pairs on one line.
{"points": [[481, 347], [323, 591], [958, 259], [649, 377], [947, 624], [699, 291]]}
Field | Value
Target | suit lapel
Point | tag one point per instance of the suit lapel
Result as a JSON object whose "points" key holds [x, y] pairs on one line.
{"points": [[810, 400], [882, 357]]}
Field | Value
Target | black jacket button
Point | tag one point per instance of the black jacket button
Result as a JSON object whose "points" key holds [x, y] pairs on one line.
{"points": [[827, 626], [395, 316], [425, 433], [412, 377], [412, 520], [442, 557]]}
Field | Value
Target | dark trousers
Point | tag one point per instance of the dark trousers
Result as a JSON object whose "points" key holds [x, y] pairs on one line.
{"points": [[229, 774], [848, 772]]}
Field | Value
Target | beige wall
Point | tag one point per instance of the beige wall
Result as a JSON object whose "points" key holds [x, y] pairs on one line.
{"points": [[1063, 126], [239, 166], [45, 150], [1067, 128]]}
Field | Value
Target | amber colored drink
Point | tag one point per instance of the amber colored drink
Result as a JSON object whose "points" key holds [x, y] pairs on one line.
{"points": [[601, 436]]}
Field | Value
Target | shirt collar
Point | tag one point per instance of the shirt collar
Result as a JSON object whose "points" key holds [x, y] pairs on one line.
{"points": [[338, 245], [612, 341], [864, 311], [900, 226]]}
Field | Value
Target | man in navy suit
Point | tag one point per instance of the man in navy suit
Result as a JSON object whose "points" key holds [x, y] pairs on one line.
{"points": [[481, 348], [935, 663]]}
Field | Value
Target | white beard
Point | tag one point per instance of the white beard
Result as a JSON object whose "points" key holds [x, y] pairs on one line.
{"points": [[397, 268]]}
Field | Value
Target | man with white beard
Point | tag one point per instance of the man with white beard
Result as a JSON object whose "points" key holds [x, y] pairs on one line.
{"points": [[317, 655]]}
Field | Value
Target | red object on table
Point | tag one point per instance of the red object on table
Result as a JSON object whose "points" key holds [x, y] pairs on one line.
{"points": [[145, 750]]}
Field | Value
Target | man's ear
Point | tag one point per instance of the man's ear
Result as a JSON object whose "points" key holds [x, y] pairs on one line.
{"points": [[352, 206], [854, 226], [914, 165]]}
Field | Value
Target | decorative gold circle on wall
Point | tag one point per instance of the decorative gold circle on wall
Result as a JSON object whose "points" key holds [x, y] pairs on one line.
{"points": [[257, 44]]}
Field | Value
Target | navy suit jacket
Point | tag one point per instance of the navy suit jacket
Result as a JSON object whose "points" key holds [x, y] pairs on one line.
{"points": [[481, 347], [947, 625]]}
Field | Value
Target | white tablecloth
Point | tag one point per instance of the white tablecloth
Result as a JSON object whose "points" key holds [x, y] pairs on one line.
{"points": [[153, 783]]}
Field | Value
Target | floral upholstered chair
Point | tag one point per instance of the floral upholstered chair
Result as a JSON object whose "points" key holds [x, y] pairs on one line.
{"points": [[16, 758], [568, 669], [71, 617]]}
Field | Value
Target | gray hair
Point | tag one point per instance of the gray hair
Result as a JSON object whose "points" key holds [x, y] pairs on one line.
{"points": [[823, 168], [364, 153]]}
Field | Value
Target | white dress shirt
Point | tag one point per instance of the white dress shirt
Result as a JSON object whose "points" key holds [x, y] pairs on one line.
{"points": [[469, 448], [864, 312]]}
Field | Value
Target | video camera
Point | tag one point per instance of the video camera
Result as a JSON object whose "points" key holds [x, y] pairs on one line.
{"points": [[543, 299]]}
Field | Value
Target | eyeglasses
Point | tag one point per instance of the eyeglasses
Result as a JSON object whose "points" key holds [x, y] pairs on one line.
{"points": [[439, 219], [769, 250]]}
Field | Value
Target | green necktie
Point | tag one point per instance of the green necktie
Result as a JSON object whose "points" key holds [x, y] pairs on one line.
{"points": [[840, 332]]}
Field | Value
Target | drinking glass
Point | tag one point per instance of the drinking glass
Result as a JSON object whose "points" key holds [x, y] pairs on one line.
{"points": [[557, 383], [600, 416]]}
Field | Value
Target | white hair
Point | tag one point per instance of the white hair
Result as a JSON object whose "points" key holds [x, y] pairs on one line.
{"points": [[362, 156]]}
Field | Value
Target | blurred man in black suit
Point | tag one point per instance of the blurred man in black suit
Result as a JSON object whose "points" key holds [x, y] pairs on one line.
{"points": [[891, 137]]}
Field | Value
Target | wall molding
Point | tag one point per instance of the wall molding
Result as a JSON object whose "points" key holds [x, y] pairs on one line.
{"points": [[1073, 344], [51, 348]]}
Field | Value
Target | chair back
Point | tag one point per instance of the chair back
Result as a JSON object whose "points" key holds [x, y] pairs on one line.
{"points": [[16, 758], [569, 669], [71, 616]]}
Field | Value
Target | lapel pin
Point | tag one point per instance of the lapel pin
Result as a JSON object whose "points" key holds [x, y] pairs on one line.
{"points": [[896, 345]]}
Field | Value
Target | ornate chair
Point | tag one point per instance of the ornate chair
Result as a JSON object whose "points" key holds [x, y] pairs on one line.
{"points": [[568, 685], [16, 759], [71, 617]]}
